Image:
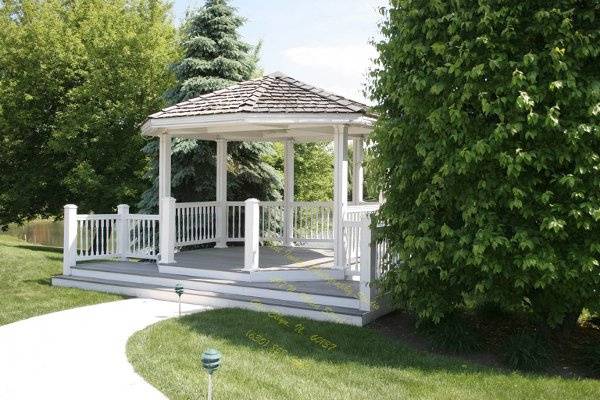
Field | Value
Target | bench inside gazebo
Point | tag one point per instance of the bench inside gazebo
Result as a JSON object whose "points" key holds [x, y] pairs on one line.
{"points": [[314, 259]]}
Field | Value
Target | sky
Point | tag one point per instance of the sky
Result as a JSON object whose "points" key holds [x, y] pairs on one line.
{"points": [[321, 42]]}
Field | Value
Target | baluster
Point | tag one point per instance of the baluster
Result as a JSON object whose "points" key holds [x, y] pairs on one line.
{"points": [[79, 247], [87, 240], [102, 237], [152, 234], [93, 237], [196, 223], [178, 219], [112, 236], [240, 222], [188, 219]]}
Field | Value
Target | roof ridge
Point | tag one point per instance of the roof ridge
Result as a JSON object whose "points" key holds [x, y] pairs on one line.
{"points": [[252, 99], [341, 100]]}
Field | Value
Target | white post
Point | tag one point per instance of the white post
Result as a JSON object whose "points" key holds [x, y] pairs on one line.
{"points": [[167, 230], [357, 170], [288, 193], [164, 192], [123, 231], [251, 234], [164, 167], [69, 238], [367, 265], [340, 193], [221, 186]]}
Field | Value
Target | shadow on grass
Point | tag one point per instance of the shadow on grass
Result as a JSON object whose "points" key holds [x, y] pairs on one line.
{"points": [[363, 346], [41, 281], [36, 247]]}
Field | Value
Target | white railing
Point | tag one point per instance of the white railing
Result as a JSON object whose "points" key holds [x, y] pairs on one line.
{"points": [[195, 223], [352, 228], [235, 221], [105, 236], [351, 231], [367, 255], [271, 220], [357, 212], [142, 232], [96, 236], [313, 221]]}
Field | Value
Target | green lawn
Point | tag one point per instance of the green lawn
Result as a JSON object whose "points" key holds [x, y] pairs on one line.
{"points": [[264, 358], [25, 289]]}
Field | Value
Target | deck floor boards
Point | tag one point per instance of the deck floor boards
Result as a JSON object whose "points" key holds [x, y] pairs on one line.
{"points": [[229, 259]]}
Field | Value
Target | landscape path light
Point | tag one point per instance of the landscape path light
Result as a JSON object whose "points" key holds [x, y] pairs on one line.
{"points": [[179, 291], [211, 360]]}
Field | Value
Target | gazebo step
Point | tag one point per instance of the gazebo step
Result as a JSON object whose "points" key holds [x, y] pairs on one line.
{"points": [[344, 315], [323, 293]]}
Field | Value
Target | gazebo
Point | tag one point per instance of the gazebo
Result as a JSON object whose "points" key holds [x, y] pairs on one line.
{"points": [[315, 242], [272, 108]]}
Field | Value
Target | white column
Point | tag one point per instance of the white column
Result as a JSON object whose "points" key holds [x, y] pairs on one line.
{"points": [[167, 230], [221, 186], [69, 238], [251, 234], [164, 166], [166, 220], [357, 170], [288, 193], [340, 192], [122, 231]]}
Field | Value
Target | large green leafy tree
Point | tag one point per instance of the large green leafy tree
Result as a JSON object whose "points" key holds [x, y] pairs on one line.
{"points": [[76, 80], [488, 153], [313, 169], [214, 58]]}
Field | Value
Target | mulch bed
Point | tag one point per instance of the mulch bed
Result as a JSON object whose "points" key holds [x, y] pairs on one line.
{"points": [[566, 346]]}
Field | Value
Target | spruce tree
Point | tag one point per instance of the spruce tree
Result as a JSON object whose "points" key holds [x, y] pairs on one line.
{"points": [[214, 57]]}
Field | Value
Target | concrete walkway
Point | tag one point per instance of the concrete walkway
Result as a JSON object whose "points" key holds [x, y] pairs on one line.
{"points": [[79, 353]]}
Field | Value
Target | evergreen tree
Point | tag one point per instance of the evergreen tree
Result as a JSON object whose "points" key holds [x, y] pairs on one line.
{"points": [[214, 58]]}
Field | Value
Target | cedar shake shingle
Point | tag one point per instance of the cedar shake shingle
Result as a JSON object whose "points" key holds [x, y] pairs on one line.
{"points": [[274, 93]]}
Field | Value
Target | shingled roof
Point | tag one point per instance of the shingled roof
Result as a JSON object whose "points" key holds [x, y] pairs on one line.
{"points": [[273, 93]]}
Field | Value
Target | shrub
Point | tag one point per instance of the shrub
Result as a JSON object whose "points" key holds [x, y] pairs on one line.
{"points": [[526, 351], [453, 334], [487, 151], [591, 357]]}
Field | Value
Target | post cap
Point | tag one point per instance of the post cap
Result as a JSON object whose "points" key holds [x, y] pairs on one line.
{"points": [[252, 200], [70, 207]]}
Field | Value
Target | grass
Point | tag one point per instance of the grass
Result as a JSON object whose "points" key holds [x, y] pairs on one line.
{"points": [[264, 358], [25, 282]]}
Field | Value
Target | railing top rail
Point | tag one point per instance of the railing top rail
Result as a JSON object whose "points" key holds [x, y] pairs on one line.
{"points": [[89, 217], [235, 203], [312, 203], [349, 223], [271, 203], [143, 216], [195, 204], [362, 207]]}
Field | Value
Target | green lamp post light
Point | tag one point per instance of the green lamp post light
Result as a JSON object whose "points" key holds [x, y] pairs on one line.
{"points": [[211, 360], [179, 291]]}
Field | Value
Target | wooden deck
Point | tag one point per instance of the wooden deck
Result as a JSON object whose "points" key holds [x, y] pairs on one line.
{"points": [[338, 288], [214, 277], [270, 258]]}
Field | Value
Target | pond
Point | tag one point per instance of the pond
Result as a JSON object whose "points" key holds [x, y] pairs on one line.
{"points": [[42, 232]]}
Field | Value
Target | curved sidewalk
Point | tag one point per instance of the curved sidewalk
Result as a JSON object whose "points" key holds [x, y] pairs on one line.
{"points": [[79, 353]]}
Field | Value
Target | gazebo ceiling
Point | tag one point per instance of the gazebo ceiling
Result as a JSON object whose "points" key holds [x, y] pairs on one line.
{"points": [[269, 108]]}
